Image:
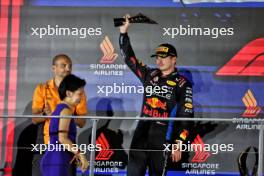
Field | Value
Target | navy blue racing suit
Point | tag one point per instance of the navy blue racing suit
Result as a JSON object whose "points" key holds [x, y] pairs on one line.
{"points": [[166, 97]]}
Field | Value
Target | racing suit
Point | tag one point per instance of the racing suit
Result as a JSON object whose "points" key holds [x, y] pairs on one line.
{"points": [[167, 97]]}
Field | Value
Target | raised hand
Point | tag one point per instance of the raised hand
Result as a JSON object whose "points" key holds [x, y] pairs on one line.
{"points": [[124, 27]]}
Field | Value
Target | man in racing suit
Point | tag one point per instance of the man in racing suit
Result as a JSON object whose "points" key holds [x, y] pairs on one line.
{"points": [[170, 96]]}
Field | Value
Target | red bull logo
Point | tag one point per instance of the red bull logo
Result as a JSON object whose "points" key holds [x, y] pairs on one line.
{"points": [[154, 113], [156, 103]]}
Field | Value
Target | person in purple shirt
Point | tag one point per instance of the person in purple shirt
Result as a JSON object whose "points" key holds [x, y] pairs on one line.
{"points": [[60, 161]]}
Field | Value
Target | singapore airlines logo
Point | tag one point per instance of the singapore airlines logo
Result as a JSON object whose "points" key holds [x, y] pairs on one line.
{"points": [[106, 152], [200, 155], [109, 55], [107, 65], [252, 108]]}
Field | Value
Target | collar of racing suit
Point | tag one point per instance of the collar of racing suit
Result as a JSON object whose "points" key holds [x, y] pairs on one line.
{"points": [[169, 76]]}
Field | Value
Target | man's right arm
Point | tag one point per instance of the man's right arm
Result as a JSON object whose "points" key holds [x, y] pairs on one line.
{"points": [[139, 69], [38, 102]]}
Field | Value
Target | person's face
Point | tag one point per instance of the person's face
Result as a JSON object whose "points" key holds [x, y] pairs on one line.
{"points": [[62, 67], [75, 97], [166, 63]]}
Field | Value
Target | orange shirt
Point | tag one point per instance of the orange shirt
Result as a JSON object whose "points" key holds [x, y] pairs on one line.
{"points": [[48, 94]]}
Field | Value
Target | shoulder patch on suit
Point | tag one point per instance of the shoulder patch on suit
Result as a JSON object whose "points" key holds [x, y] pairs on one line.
{"points": [[182, 81]]}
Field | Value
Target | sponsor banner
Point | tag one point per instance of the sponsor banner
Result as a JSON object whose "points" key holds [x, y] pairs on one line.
{"points": [[220, 59]]}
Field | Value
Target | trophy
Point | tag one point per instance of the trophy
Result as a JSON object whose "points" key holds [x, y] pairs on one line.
{"points": [[139, 18]]}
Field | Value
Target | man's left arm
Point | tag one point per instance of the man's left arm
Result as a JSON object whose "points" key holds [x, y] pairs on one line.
{"points": [[81, 110], [183, 129], [185, 109]]}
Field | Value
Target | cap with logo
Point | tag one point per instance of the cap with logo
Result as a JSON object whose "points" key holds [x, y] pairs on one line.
{"points": [[165, 50]]}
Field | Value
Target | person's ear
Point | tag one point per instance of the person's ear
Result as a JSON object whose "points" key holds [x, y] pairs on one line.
{"points": [[53, 67], [174, 59]]}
